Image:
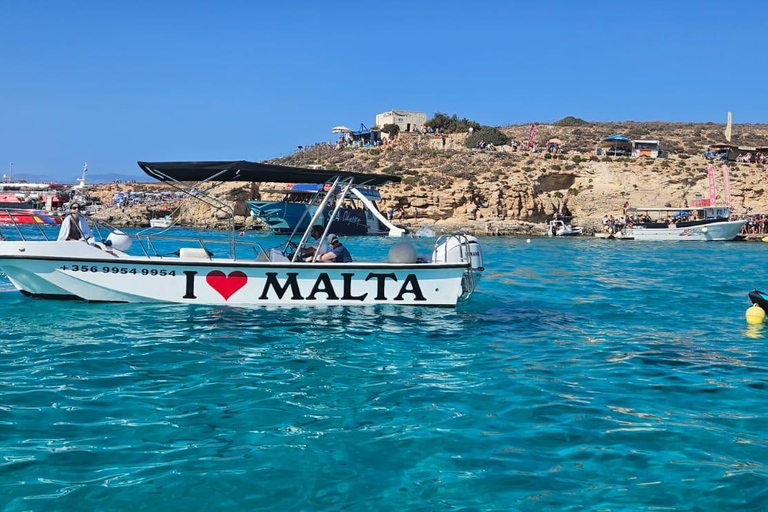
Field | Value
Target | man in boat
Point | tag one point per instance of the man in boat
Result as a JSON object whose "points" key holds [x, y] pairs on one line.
{"points": [[75, 227], [338, 253], [307, 253]]}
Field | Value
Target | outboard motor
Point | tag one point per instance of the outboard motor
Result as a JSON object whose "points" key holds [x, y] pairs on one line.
{"points": [[461, 248]]}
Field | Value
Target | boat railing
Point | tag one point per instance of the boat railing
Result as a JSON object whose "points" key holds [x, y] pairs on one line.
{"points": [[462, 242], [101, 230], [148, 247]]}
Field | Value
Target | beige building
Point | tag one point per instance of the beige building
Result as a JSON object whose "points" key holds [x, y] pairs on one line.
{"points": [[407, 120]]}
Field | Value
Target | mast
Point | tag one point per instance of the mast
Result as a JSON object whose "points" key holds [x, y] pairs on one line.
{"points": [[82, 180]]}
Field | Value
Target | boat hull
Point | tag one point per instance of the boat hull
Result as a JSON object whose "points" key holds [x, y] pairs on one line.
{"points": [[619, 235], [566, 232], [160, 223], [72, 269], [713, 231]]}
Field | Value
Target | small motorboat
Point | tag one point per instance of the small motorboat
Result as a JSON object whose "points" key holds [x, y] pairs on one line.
{"points": [[161, 222], [561, 228]]}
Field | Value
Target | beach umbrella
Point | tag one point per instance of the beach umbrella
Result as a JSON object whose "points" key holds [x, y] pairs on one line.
{"points": [[616, 138], [555, 141], [340, 129]]}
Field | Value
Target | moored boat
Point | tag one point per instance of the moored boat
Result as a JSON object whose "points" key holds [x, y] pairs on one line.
{"points": [[245, 274], [698, 223], [161, 222], [358, 213], [559, 227], [31, 216]]}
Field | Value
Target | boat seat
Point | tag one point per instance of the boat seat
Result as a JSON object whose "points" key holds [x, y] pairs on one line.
{"points": [[277, 256], [194, 252]]}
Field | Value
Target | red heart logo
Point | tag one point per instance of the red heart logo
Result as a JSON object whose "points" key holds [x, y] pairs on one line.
{"points": [[226, 285]]}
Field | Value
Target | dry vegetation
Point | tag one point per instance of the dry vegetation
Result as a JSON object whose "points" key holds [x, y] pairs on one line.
{"points": [[505, 189]]}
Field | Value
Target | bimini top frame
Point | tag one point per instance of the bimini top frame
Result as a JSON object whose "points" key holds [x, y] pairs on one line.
{"points": [[241, 170], [176, 174]]}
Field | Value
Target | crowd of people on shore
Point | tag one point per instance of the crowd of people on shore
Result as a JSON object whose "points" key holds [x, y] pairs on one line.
{"points": [[401, 213], [758, 157], [756, 225], [150, 199], [750, 158]]}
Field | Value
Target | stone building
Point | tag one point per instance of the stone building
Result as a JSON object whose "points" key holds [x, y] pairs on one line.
{"points": [[407, 120]]}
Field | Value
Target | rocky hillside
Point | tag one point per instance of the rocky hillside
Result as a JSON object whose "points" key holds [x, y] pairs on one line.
{"points": [[448, 185]]}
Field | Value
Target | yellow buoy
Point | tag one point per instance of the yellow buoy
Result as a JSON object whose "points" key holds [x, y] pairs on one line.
{"points": [[765, 239], [755, 315]]}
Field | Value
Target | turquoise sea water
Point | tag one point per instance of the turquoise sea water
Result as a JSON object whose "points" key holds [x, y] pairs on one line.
{"points": [[583, 375]]}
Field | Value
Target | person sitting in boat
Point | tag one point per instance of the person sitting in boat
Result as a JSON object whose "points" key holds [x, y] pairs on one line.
{"points": [[307, 253], [338, 253], [75, 227]]}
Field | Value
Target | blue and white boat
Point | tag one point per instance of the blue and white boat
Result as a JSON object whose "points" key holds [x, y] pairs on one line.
{"points": [[357, 215]]}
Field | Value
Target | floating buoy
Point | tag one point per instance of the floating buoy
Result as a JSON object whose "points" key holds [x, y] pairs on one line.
{"points": [[528, 240], [765, 239], [755, 315]]}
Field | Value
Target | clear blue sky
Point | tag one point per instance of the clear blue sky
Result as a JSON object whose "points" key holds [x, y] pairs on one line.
{"points": [[114, 82]]}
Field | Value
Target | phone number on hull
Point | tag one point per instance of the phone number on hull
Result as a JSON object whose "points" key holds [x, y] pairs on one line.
{"points": [[120, 270]]}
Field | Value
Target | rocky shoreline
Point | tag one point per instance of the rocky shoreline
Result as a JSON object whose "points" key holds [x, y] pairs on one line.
{"points": [[139, 217], [504, 192]]}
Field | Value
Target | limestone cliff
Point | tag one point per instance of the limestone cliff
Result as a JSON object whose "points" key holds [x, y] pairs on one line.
{"points": [[445, 184]]}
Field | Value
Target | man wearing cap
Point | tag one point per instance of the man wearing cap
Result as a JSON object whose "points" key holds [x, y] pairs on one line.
{"points": [[338, 253], [75, 227], [307, 253]]}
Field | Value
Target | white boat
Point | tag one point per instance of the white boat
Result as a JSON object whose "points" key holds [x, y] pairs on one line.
{"points": [[106, 271], [161, 222], [699, 223], [560, 228]]}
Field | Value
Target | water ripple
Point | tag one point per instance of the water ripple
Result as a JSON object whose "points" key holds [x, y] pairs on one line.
{"points": [[583, 375]]}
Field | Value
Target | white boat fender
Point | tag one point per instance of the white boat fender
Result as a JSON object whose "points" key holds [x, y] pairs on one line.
{"points": [[119, 240], [403, 252], [704, 229]]}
